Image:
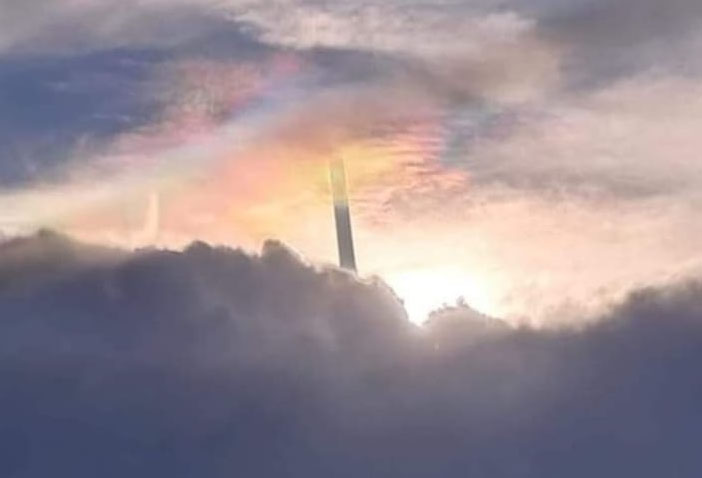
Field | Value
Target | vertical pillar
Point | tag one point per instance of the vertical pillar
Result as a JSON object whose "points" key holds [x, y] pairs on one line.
{"points": [[342, 215]]}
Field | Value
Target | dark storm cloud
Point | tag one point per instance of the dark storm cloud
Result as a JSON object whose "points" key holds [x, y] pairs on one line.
{"points": [[214, 363]]}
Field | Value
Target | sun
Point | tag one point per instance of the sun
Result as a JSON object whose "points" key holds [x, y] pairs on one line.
{"points": [[424, 290]]}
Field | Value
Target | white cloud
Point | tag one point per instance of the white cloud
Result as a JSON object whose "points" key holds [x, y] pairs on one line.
{"points": [[387, 26]]}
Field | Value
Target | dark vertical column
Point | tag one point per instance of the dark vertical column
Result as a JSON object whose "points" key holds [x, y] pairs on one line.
{"points": [[342, 215]]}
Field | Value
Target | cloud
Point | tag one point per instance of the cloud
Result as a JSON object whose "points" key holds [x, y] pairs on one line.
{"points": [[212, 362], [634, 138], [611, 39], [392, 26], [50, 27], [508, 54], [592, 41], [519, 66], [577, 44], [439, 196], [76, 76], [464, 125]]}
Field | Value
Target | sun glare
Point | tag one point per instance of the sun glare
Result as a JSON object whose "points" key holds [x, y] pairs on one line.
{"points": [[425, 290]]}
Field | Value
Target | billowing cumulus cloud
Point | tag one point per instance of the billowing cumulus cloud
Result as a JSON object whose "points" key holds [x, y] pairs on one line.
{"points": [[212, 362]]}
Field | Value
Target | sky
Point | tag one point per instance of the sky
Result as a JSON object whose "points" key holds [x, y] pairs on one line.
{"points": [[538, 158], [525, 187]]}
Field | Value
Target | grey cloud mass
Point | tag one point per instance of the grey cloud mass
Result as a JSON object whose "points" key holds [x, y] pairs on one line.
{"points": [[607, 40], [212, 362]]}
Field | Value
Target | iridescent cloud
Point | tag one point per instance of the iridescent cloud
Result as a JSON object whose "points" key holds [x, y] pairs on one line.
{"points": [[511, 167]]}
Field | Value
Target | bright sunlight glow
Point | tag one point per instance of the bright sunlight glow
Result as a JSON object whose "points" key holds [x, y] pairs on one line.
{"points": [[427, 289]]}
